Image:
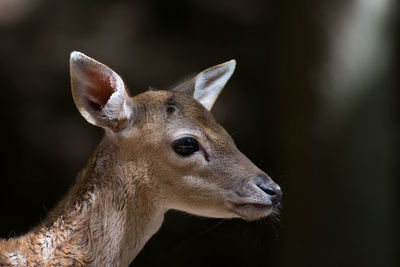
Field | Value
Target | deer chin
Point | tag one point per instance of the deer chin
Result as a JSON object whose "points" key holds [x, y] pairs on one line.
{"points": [[252, 211], [210, 211]]}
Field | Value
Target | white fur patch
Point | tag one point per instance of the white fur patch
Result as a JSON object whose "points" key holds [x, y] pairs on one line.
{"points": [[46, 247], [16, 258]]}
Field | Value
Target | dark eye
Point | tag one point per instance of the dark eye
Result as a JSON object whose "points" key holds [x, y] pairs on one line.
{"points": [[185, 146]]}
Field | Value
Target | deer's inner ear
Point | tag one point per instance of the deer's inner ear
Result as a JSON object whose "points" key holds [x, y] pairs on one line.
{"points": [[99, 88], [99, 93]]}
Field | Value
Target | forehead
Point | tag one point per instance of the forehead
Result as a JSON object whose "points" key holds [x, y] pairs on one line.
{"points": [[175, 108]]}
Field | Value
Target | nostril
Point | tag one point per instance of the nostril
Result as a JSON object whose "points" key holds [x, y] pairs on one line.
{"points": [[275, 193], [269, 190]]}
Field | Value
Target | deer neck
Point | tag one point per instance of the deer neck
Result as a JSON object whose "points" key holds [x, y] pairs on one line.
{"points": [[104, 220]]}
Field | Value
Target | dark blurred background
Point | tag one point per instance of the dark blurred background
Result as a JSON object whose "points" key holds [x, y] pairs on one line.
{"points": [[314, 102]]}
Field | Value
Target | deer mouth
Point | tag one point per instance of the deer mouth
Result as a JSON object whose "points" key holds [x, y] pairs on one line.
{"points": [[252, 211], [255, 206]]}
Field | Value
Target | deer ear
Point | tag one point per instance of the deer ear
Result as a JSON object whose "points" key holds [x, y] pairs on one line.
{"points": [[208, 84], [99, 93]]}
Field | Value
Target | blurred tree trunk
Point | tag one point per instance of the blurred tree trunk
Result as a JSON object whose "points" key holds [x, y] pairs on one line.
{"points": [[337, 149]]}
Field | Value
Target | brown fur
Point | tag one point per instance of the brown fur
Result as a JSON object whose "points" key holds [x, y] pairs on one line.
{"points": [[132, 179]]}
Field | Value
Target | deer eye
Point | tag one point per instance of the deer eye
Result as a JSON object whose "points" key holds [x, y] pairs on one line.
{"points": [[185, 146]]}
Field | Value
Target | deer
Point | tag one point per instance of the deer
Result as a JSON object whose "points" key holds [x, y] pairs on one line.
{"points": [[162, 150]]}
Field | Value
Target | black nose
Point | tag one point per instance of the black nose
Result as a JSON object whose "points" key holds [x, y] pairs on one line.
{"points": [[268, 186], [274, 192]]}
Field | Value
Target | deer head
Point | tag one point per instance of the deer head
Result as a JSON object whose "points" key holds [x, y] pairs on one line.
{"points": [[183, 159]]}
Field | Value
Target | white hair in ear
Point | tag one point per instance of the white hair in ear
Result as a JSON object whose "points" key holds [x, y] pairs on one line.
{"points": [[210, 82], [99, 92]]}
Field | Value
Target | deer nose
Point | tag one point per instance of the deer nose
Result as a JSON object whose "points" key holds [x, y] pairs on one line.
{"points": [[273, 190]]}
